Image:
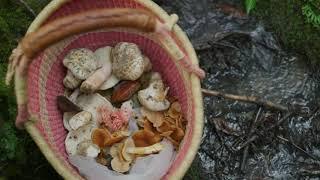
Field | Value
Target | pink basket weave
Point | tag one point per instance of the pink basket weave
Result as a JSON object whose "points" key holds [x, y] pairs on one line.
{"points": [[38, 88]]}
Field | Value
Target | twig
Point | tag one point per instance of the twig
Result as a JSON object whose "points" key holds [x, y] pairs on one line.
{"points": [[297, 147], [28, 7], [251, 99], [251, 131], [254, 137]]}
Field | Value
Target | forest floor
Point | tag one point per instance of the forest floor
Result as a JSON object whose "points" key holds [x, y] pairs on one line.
{"points": [[19, 156]]}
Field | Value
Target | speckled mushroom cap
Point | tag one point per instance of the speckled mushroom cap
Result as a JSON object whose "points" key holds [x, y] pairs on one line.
{"points": [[127, 61], [81, 62]]}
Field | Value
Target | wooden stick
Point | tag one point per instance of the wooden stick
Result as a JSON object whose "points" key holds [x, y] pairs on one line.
{"points": [[251, 131], [297, 147], [28, 7], [254, 137], [250, 99]]}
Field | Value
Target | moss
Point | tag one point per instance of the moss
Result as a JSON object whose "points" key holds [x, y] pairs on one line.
{"points": [[285, 19], [19, 156]]}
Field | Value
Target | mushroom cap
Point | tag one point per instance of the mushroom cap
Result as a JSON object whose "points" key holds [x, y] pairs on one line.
{"points": [[128, 62], [66, 117], [80, 119], [153, 98], [103, 56], [88, 149], [70, 81], [75, 137], [120, 166], [91, 103], [155, 117], [81, 62]]}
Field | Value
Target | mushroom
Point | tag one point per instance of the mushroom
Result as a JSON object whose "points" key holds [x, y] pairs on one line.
{"points": [[128, 144], [154, 97], [67, 104], [128, 62], [174, 110], [124, 91], [66, 117], [80, 119], [155, 117], [91, 103], [147, 64], [81, 62], [76, 137], [155, 148], [103, 138], [88, 149], [110, 82], [70, 81], [143, 138], [118, 163], [94, 81]]}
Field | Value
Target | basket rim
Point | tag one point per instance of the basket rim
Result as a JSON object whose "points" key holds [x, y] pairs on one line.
{"points": [[195, 88]]}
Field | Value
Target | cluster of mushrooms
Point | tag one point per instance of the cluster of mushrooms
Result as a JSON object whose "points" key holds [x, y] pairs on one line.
{"points": [[115, 108]]}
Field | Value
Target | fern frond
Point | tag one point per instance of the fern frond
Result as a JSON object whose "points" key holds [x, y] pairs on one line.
{"points": [[312, 16]]}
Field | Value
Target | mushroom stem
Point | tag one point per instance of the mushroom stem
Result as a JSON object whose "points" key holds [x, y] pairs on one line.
{"points": [[145, 150]]}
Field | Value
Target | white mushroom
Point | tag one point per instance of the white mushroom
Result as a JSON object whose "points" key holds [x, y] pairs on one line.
{"points": [[70, 81], [128, 62], [91, 103], [66, 117], [147, 64], [80, 119], [120, 166], [154, 97], [94, 82], [81, 62], [145, 150], [76, 137], [110, 82], [88, 149], [128, 143]]}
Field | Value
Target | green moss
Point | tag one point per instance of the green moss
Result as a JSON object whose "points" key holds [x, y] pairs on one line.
{"points": [[19, 156], [285, 19]]}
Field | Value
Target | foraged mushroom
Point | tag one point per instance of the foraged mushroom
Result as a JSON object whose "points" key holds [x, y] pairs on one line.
{"points": [[88, 149], [155, 148], [81, 62], [110, 82], [66, 105], [80, 119], [94, 81], [124, 91], [70, 81], [103, 138], [128, 62], [128, 144], [147, 64], [66, 117], [76, 137], [91, 103], [155, 117], [154, 97], [143, 138], [118, 163]]}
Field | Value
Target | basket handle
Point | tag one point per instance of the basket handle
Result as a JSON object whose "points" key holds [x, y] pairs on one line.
{"points": [[82, 22]]}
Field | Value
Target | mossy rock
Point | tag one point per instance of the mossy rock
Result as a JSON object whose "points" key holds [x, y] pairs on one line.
{"points": [[285, 19]]}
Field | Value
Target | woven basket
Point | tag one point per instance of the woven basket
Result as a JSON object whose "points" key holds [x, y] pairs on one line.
{"points": [[38, 81]]}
